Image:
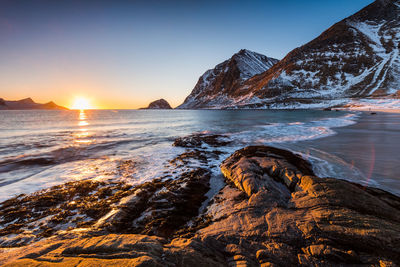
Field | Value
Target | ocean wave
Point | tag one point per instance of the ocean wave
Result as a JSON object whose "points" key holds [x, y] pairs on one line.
{"points": [[295, 131], [147, 149], [60, 155]]}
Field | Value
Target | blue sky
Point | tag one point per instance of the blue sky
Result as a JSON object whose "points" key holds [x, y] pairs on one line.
{"points": [[123, 54]]}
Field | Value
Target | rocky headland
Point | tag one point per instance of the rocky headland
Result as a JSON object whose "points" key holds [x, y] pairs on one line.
{"points": [[271, 210]]}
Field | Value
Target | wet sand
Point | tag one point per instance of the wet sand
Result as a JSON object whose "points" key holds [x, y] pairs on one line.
{"points": [[372, 145]]}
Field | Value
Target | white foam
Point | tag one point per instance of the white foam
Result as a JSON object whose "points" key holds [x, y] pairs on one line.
{"points": [[147, 157], [295, 131]]}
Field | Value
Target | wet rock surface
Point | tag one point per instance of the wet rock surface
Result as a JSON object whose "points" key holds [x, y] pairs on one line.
{"points": [[159, 207], [288, 216], [272, 211], [28, 218], [118, 250], [200, 139], [162, 207]]}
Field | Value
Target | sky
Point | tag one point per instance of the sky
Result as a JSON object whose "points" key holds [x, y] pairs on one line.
{"points": [[125, 54]]}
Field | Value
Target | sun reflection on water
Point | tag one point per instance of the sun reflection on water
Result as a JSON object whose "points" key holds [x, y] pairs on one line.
{"points": [[82, 118], [83, 134]]}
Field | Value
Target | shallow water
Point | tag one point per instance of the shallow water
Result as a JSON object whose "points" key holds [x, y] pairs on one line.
{"points": [[39, 149], [371, 147]]}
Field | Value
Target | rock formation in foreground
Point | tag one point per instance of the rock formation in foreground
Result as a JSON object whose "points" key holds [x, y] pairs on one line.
{"points": [[27, 103], [272, 211], [217, 87], [159, 104], [355, 58]]}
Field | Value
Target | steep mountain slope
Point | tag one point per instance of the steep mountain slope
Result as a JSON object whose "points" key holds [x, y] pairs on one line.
{"points": [[27, 103], [216, 86], [355, 58]]}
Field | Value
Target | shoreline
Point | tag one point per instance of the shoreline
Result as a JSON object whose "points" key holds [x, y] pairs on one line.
{"points": [[369, 146], [306, 218], [63, 157], [367, 110], [327, 130], [389, 105], [174, 212]]}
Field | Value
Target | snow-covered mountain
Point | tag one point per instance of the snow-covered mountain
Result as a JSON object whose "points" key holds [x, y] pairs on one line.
{"points": [[219, 85], [355, 58]]}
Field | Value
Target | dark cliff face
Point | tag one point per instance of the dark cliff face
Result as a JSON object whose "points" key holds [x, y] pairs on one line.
{"points": [[159, 104], [356, 57], [28, 103], [219, 84]]}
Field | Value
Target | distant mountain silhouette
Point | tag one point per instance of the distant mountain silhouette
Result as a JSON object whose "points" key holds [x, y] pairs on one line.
{"points": [[27, 103]]}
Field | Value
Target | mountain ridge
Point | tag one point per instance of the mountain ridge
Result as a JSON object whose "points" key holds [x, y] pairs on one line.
{"points": [[28, 104], [215, 84], [339, 32], [354, 58]]}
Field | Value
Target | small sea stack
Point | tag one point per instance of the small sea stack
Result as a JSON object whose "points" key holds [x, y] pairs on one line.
{"points": [[159, 104]]}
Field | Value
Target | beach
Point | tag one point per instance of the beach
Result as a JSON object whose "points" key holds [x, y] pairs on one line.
{"points": [[371, 146], [271, 209]]}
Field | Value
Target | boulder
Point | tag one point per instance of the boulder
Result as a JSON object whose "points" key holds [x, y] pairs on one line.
{"points": [[289, 216]]}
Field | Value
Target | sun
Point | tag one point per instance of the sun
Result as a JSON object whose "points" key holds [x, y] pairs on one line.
{"points": [[81, 103]]}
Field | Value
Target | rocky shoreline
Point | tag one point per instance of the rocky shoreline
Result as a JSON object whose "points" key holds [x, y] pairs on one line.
{"points": [[271, 210]]}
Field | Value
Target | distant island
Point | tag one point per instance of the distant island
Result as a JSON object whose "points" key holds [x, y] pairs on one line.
{"points": [[159, 104], [27, 103]]}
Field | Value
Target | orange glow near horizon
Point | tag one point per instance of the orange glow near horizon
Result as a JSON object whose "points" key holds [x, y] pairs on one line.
{"points": [[96, 99], [81, 103]]}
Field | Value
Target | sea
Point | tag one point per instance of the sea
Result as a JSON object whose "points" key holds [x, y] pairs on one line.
{"points": [[43, 148]]}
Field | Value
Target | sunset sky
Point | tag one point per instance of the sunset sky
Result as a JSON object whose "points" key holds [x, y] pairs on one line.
{"points": [[124, 54]]}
